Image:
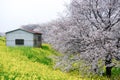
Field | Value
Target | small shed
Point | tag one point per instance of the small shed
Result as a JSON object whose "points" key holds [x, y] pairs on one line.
{"points": [[22, 37]]}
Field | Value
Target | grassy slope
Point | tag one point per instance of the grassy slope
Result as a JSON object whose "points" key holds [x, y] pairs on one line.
{"points": [[25, 63]]}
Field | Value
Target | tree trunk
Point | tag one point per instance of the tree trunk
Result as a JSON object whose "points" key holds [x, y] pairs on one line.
{"points": [[108, 62], [108, 71]]}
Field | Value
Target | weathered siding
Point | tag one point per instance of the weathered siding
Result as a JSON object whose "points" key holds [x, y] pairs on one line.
{"points": [[19, 34]]}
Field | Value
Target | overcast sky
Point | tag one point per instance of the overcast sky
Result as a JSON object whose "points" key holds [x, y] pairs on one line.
{"points": [[14, 13]]}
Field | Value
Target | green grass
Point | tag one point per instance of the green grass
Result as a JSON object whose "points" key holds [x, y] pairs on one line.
{"points": [[2, 41], [27, 63]]}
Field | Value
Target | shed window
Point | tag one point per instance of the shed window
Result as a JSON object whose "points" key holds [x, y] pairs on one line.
{"points": [[19, 41]]}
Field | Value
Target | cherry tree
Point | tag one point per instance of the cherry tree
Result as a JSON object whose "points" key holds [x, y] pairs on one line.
{"points": [[96, 38]]}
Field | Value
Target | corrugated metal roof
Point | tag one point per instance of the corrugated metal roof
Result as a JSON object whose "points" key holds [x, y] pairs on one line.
{"points": [[30, 31]]}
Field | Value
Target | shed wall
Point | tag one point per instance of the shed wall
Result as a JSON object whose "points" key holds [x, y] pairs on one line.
{"points": [[19, 34]]}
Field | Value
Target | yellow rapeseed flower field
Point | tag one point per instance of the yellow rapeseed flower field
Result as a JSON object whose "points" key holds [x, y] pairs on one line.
{"points": [[26, 63]]}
